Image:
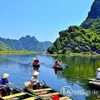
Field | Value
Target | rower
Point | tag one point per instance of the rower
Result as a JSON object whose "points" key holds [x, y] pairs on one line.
{"points": [[98, 74], [34, 81], [34, 61], [4, 88], [36, 64]]}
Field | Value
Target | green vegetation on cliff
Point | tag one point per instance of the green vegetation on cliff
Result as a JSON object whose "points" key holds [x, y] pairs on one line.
{"points": [[83, 38], [76, 39]]}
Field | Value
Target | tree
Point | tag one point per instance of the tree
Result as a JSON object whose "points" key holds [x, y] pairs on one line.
{"points": [[57, 44]]}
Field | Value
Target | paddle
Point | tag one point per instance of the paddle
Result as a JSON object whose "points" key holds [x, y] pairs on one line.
{"points": [[45, 83], [95, 80], [16, 87], [22, 90]]}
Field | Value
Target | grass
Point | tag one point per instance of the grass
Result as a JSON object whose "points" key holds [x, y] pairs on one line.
{"points": [[16, 52]]}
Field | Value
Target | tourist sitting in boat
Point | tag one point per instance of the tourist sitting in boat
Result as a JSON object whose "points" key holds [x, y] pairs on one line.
{"points": [[34, 81], [60, 63], [56, 63], [4, 88], [98, 74], [36, 62]]}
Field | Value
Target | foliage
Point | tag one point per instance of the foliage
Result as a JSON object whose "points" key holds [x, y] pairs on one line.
{"points": [[77, 39], [83, 38]]}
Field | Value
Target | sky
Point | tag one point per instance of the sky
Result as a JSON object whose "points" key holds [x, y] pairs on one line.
{"points": [[40, 18]]}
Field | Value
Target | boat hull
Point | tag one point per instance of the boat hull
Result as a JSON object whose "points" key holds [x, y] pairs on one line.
{"points": [[17, 94], [94, 83], [46, 92], [57, 68]]}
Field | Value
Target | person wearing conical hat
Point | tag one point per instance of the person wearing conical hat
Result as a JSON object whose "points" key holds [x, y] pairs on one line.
{"points": [[36, 64], [34, 81], [98, 74], [34, 58], [5, 90]]}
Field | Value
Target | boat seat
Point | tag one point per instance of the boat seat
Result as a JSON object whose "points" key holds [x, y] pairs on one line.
{"points": [[48, 95], [40, 90], [64, 98], [39, 93], [30, 98], [13, 95]]}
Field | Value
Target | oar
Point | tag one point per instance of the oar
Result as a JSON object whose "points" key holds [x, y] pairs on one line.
{"points": [[23, 90], [45, 83], [16, 87], [94, 80]]}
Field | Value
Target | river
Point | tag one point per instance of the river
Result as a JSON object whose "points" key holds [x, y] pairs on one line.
{"points": [[72, 78]]}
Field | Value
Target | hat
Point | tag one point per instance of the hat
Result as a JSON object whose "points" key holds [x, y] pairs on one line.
{"points": [[98, 69], [33, 58], [5, 75], [35, 73]]}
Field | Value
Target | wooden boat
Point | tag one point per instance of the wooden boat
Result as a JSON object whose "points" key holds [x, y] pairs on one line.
{"points": [[36, 67], [94, 83], [45, 93], [57, 68], [16, 94]]}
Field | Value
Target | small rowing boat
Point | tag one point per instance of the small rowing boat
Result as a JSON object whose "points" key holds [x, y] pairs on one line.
{"points": [[57, 68], [45, 93], [18, 94], [94, 83], [36, 67]]}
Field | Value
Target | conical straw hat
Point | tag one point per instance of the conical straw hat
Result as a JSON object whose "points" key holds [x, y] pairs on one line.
{"points": [[33, 58], [35, 73], [5, 75], [98, 69]]}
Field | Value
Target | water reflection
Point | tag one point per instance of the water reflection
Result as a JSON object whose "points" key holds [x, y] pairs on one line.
{"points": [[81, 68], [58, 72]]}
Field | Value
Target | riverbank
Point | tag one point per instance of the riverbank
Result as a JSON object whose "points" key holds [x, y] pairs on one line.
{"points": [[17, 52], [76, 54]]}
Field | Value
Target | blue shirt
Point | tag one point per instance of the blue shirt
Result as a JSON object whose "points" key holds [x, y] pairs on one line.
{"points": [[4, 82]]}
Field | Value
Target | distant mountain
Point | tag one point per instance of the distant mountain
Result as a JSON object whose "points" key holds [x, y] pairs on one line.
{"points": [[83, 38], [46, 44], [13, 44], [95, 10], [93, 18], [26, 43], [31, 43], [3, 46]]}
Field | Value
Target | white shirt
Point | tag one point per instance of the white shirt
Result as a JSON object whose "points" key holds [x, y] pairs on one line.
{"points": [[60, 63], [98, 75], [34, 81]]}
